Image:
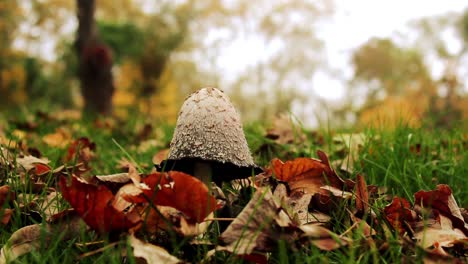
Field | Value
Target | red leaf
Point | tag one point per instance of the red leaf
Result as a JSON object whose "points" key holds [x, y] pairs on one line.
{"points": [[77, 148], [180, 191], [5, 197], [306, 174], [41, 168], [442, 201], [362, 195], [94, 204], [398, 212]]}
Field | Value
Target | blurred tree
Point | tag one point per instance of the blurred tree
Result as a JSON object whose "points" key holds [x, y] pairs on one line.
{"points": [[145, 54], [95, 62], [436, 37], [390, 69], [389, 83], [11, 73]]}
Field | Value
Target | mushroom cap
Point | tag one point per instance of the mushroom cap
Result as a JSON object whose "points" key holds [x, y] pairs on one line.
{"points": [[209, 129]]}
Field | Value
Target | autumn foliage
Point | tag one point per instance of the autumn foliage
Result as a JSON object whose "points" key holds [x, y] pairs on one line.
{"points": [[301, 203]]}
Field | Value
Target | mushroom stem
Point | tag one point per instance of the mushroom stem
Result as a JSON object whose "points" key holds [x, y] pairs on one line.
{"points": [[203, 172]]}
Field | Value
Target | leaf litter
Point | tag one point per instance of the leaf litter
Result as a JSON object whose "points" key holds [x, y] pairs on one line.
{"points": [[294, 201]]}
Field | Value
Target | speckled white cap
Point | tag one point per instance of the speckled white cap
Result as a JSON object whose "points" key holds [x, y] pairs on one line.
{"points": [[209, 128]]}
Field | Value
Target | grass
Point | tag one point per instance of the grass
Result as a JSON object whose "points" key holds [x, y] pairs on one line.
{"points": [[404, 160]]}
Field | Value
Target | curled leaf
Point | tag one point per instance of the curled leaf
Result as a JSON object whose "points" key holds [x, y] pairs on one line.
{"points": [[441, 201], [94, 203], [399, 212], [178, 190], [306, 174]]}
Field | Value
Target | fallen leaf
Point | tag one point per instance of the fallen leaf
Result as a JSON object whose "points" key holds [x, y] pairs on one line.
{"points": [[35, 237], [120, 178], [336, 192], [178, 190], [362, 196], [50, 205], [152, 254], [323, 238], [302, 174], [349, 145], [30, 162], [307, 174], [264, 222], [6, 195], [284, 131], [297, 202], [168, 218], [399, 212], [259, 226], [60, 138], [94, 204], [442, 201], [364, 228], [443, 237], [80, 151], [160, 156]]}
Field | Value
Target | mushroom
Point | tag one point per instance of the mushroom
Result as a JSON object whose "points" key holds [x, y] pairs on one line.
{"points": [[208, 141]]}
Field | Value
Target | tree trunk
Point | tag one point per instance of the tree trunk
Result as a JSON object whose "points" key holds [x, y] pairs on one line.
{"points": [[95, 62]]}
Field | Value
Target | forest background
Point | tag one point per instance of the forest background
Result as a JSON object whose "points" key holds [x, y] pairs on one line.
{"points": [[158, 52]]}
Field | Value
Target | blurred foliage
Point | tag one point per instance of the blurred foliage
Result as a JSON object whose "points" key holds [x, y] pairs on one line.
{"points": [[163, 54], [124, 39], [292, 50], [397, 70], [401, 90], [393, 84]]}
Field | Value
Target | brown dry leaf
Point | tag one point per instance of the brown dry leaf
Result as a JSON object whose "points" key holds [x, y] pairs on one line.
{"points": [[350, 144], [362, 196], [335, 192], [168, 218], [365, 229], [80, 150], [150, 253], [119, 202], [6, 195], [258, 227], [134, 175], [323, 238], [66, 115], [441, 201], [264, 222], [123, 164], [444, 237], [302, 174], [50, 205], [298, 202], [308, 175], [6, 216], [34, 237], [398, 213], [160, 156], [119, 178], [30, 162], [284, 131], [60, 138]]}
